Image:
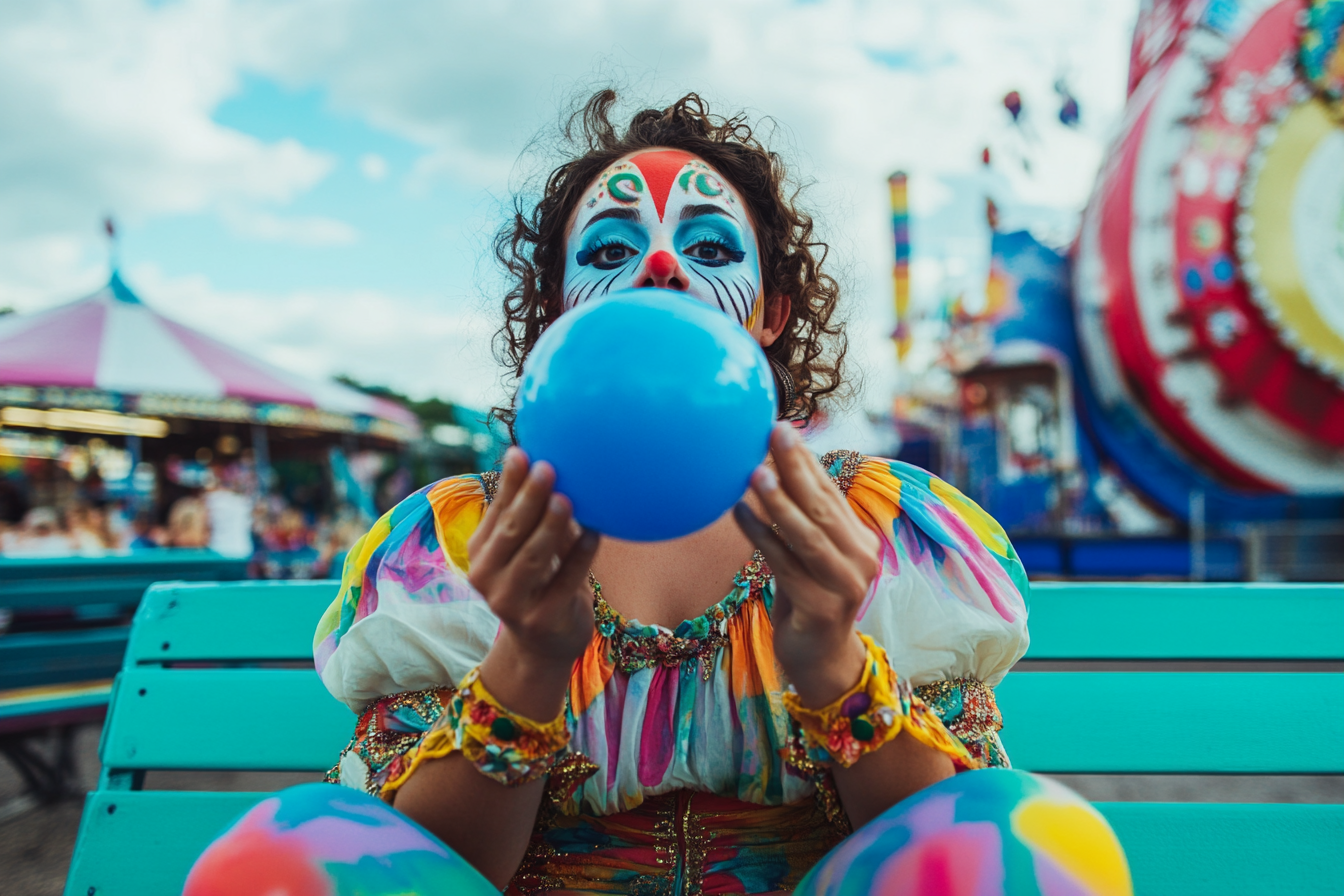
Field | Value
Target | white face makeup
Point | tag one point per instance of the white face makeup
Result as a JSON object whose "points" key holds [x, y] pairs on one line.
{"points": [[665, 218]]}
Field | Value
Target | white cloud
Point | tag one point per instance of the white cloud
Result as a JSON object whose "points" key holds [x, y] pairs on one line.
{"points": [[106, 104], [309, 230], [860, 88], [373, 166], [105, 107], [416, 344]]}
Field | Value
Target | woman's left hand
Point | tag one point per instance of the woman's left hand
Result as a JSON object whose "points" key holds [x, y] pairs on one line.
{"points": [[824, 560]]}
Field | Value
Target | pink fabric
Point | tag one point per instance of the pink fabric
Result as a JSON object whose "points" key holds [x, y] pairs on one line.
{"points": [[241, 376], [59, 351], [390, 410]]}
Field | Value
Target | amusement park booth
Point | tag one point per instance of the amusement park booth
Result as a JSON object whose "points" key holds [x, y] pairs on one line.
{"points": [[108, 386]]}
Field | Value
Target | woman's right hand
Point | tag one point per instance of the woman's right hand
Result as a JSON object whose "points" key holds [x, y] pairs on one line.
{"points": [[529, 559]]}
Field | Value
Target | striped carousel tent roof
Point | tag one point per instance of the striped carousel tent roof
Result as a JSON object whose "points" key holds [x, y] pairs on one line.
{"points": [[114, 346]]}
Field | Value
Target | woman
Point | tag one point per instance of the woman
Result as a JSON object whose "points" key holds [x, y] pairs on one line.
{"points": [[561, 709]]}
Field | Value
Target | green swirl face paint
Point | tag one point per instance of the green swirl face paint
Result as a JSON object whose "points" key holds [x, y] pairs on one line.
{"points": [[664, 217], [625, 187]]}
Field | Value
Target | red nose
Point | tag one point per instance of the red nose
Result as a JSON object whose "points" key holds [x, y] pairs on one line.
{"points": [[662, 264]]}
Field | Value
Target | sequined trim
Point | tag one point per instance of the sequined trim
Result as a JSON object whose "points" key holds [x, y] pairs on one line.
{"points": [[877, 709], [842, 466], [387, 730], [819, 773], [634, 647], [681, 842], [504, 746], [490, 484], [567, 775], [968, 709], [686, 832]]}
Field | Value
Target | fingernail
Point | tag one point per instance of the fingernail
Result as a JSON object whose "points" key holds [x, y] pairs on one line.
{"points": [[787, 434], [539, 470], [764, 479]]}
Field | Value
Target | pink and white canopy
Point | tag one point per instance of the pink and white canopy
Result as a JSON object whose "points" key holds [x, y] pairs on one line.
{"points": [[114, 344]]}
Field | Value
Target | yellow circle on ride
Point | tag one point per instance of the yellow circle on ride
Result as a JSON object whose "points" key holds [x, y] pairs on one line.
{"points": [[1293, 234]]}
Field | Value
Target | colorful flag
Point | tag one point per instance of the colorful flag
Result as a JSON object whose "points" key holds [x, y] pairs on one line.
{"points": [[900, 227]]}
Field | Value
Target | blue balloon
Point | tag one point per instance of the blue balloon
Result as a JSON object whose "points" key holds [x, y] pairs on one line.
{"points": [[652, 407]]}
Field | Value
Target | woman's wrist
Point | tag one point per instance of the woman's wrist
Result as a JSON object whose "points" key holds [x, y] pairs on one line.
{"points": [[824, 680], [528, 684]]}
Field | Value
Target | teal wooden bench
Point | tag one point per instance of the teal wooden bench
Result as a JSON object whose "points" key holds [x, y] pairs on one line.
{"points": [[205, 686], [57, 665]]}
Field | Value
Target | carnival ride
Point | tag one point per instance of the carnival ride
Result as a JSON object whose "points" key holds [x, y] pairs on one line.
{"points": [[110, 365], [1182, 365]]}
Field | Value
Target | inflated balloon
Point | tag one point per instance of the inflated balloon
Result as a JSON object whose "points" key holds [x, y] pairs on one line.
{"points": [[652, 407], [995, 832], [328, 840]]}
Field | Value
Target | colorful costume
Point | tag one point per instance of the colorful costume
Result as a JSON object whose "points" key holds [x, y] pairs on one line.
{"points": [[684, 771]]}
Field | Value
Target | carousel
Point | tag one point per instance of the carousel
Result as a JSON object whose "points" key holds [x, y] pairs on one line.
{"points": [[107, 395]]}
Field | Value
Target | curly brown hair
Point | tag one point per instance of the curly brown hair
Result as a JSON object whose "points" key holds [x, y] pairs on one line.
{"points": [[531, 247]]}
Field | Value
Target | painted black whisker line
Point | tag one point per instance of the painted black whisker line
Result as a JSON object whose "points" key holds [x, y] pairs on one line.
{"points": [[742, 294], [732, 301], [606, 284], [744, 290], [718, 297], [592, 289], [727, 288]]}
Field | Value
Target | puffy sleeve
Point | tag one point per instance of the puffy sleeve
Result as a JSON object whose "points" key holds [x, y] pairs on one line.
{"points": [[406, 618], [950, 601]]}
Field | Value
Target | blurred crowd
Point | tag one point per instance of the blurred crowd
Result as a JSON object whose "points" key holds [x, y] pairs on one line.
{"points": [[280, 541]]}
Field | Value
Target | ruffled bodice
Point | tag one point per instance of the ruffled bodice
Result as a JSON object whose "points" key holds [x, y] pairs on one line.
{"points": [[696, 708]]}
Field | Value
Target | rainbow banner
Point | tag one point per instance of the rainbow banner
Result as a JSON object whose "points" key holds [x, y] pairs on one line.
{"points": [[900, 228]]}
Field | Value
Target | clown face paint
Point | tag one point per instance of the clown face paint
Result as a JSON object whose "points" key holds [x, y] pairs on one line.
{"points": [[665, 218]]}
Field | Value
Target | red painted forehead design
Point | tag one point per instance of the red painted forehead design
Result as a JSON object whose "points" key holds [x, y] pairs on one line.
{"points": [[660, 168]]}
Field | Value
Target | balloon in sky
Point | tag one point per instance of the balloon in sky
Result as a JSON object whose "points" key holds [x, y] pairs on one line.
{"points": [[652, 407], [327, 840], [1012, 101], [1069, 113]]}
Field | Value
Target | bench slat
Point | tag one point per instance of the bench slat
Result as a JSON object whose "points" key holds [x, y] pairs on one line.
{"points": [[1175, 849], [30, 659], [1114, 620], [145, 846], [253, 719], [1228, 849], [1063, 722], [235, 621], [1164, 722], [75, 581], [30, 709]]}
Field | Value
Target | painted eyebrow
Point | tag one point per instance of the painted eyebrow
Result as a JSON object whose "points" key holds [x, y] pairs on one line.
{"points": [[696, 211], [623, 214]]}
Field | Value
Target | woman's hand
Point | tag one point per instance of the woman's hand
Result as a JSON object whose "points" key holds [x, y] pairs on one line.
{"points": [[824, 560], [530, 559]]}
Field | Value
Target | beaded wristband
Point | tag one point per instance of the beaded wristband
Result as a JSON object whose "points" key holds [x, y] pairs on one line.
{"points": [[870, 714], [503, 746]]}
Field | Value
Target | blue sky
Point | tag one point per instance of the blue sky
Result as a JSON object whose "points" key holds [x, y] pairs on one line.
{"points": [[403, 238], [318, 182]]}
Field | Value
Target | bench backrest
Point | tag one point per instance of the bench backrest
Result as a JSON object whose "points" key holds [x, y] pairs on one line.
{"points": [[220, 677], [209, 657], [59, 582], [1169, 621]]}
